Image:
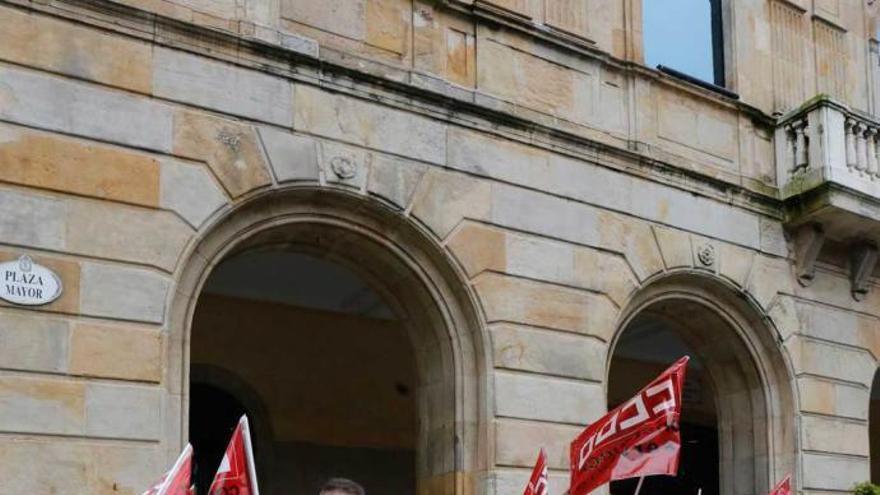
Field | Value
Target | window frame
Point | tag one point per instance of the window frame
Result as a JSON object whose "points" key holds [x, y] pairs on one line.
{"points": [[723, 75]]}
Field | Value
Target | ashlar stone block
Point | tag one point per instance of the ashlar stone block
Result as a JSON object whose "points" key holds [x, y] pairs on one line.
{"points": [[832, 472], [734, 262], [605, 273], [94, 468], [394, 179], [546, 398], [843, 436], [52, 162], [230, 149], [126, 293], [33, 342], [343, 17], [35, 220], [52, 103], [675, 246], [370, 125], [833, 398], [511, 299], [869, 337], [221, 86], [444, 44], [534, 82], [190, 191], [523, 348], [634, 240], [516, 442], [444, 199], [829, 360], [292, 157], [388, 25], [151, 237], [42, 405], [480, 247], [116, 351], [123, 411], [785, 316], [526, 210], [768, 277], [59, 46], [833, 324]]}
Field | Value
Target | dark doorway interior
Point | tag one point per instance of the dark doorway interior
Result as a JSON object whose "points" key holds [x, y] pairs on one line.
{"points": [[698, 472], [324, 362], [216, 414], [646, 348]]}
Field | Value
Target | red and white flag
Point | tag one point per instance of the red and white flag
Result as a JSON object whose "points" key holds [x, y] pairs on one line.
{"points": [[178, 480], [236, 473], [783, 487], [538, 482], [639, 438]]}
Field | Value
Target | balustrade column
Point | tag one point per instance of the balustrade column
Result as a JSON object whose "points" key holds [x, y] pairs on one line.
{"points": [[851, 159], [861, 148], [790, 149], [800, 145], [877, 150], [871, 150]]}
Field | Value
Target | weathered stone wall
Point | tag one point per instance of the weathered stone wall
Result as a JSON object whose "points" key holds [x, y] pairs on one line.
{"points": [[779, 52], [560, 181]]}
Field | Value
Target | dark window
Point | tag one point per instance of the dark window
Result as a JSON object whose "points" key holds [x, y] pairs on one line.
{"points": [[686, 36]]}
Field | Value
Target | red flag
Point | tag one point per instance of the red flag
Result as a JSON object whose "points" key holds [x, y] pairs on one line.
{"points": [[538, 482], [639, 438], [783, 488], [176, 481], [236, 473]]}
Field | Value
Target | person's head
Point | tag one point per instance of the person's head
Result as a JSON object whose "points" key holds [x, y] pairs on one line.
{"points": [[341, 486]]}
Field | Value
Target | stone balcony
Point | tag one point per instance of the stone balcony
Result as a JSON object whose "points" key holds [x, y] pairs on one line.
{"points": [[828, 167]]}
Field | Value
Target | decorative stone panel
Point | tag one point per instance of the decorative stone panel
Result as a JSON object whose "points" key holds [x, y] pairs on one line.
{"points": [[790, 45]]}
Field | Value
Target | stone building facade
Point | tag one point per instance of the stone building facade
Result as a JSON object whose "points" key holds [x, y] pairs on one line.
{"points": [[417, 240]]}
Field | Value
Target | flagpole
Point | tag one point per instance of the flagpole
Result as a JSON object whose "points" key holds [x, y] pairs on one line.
{"points": [[252, 470], [639, 486]]}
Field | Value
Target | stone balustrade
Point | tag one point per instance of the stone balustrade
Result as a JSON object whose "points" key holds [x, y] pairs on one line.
{"points": [[861, 147], [824, 141], [828, 168]]}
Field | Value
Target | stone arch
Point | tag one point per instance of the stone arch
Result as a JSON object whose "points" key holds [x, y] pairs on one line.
{"points": [[405, 265], [749, 372]]}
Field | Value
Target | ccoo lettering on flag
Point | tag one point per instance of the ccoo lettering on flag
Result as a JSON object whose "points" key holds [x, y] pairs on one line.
{"points": [[639, 438]]}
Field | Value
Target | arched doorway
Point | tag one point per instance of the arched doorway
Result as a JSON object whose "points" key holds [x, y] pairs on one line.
{"points": [[355, 333], [326, 355], [737, 414], [874, 428]]}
